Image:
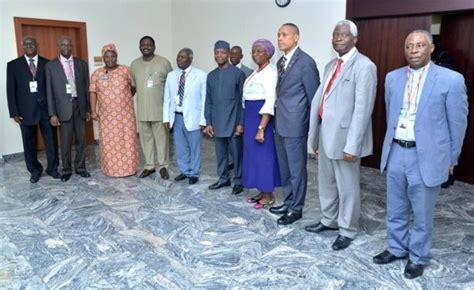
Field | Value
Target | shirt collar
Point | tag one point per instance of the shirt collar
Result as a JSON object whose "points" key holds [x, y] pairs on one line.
{"points": [[239, 65], [289, 55], [421, 69], [348, 55], [35, 58], [63, 59], [187, 70]]}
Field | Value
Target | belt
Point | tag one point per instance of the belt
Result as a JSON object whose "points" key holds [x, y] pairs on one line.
{"points": [[405, 144], [178, 113]]}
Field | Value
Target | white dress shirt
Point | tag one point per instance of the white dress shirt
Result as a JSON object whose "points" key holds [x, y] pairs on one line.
{"points": [[260, 85]]}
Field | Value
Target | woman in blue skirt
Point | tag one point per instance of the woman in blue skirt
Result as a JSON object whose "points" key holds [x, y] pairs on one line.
{"points": [[260, 164]]}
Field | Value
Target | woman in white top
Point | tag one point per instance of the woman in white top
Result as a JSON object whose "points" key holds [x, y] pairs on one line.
{"points": [[260, 165]]}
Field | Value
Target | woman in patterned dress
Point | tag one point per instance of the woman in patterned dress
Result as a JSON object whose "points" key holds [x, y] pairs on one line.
{"points": [[112, 106]]}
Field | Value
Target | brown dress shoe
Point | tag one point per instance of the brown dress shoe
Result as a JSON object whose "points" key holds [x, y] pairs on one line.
{"points": [[164, 173], [146, 173]]}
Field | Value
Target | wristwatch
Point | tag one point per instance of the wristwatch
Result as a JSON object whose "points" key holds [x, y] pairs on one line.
{"points": [[261, 128]]}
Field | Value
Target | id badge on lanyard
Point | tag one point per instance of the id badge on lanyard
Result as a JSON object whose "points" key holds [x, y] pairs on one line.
{"points": [[33, 86]]}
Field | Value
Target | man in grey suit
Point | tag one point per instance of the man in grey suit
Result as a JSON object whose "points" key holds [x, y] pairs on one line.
{"points": [[224, 115], [341, 133], [298, 79], [236, 60], [67, 86], [427, 109]]}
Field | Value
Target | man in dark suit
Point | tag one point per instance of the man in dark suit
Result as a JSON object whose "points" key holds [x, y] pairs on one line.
{"points": [[298, 79], [26, 93], [224, 115], [236, 60], [67, 85]]}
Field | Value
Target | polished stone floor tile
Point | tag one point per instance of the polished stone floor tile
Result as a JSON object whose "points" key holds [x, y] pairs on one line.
{"points": [[133, 233]]}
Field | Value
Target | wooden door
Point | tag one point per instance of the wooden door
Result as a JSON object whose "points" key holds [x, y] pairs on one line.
{"points": [[457, 37], [47, 32]]}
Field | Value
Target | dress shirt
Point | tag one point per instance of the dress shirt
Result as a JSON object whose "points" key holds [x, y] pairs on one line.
{"points": [[344, 59], [35, 60], [239, 65], [178, 108], [289, 55], [65, 64], [408, 113]]}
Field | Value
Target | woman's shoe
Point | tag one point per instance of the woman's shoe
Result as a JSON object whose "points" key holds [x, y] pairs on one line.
{"points": [[259, 205], [254, 199]]}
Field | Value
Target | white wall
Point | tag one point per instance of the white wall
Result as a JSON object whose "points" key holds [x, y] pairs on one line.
{"points": [[198, 24], [174, 24], [122, 22]]}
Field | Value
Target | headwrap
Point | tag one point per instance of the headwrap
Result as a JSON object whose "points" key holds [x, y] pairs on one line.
{"points": [[109, 47], [266, 44], [222, 44]]}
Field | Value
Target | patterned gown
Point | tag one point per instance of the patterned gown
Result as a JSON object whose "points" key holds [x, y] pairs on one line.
{"points": [[118, 136]]}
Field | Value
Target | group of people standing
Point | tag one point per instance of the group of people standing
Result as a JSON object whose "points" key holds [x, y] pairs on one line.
{"points": [[265, 120]]}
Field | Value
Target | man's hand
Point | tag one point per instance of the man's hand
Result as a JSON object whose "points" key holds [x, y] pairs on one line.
{"points": [[239, 130], [166, 125], [209, 131], [18, 119], [88, 117], [349, 157], [95, 116], [54, 121]]}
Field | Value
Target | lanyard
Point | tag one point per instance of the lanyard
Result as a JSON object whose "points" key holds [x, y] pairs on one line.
{"points": [[409, 88]]}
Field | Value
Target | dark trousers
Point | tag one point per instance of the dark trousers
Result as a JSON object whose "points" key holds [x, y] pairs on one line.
{"points": [[222, 154], [74, 127], [29, 135]]}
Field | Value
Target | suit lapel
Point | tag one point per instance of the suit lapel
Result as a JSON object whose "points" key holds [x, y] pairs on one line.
{"points": [[60, 69], [290, 65], [398, 88], [340, 77], [427, 88]]}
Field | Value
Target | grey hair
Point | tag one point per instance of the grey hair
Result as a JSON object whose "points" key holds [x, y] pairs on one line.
{"points": [[28, 37], [352, 26], [426, 33], [64, 37], [188, 51]]}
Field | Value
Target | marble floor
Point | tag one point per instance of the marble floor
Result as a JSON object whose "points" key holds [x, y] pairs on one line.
{"points": [[153, 234]]}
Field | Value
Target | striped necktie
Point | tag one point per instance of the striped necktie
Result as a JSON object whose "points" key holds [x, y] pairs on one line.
{"points": [[32, 67], [182, 80]]}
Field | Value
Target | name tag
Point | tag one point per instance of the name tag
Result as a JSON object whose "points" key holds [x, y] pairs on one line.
{"points": [[68, 89], [33, 87], [105, 77], [149, 83]]}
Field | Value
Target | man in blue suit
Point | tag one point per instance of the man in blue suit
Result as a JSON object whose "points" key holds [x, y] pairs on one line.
{"points": [[426, 109], [183, 110], [298, 80]]}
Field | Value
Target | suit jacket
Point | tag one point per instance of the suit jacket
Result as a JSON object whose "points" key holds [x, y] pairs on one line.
{"points": [[247, 71], [21, 102], [59, 102], [347, 110], [294, 93], [440, 121], [223, 109], [193, 100]]}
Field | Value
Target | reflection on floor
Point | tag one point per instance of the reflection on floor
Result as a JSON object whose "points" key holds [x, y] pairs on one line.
{"points": [[132, 233]]}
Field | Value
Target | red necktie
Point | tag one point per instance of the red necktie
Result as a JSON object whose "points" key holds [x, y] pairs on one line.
{"points": [[331, 81]]}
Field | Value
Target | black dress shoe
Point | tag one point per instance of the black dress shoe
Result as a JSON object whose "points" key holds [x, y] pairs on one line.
{"points": [[193, 179], [319, 227], [65, 177], [35, 177], [386, 258], [84, 174], [146, 173], [180, 177], [164, 174], [341, 243], [281, 209], [218, 185], [413, 270], [238, 188], [54, 174], [289, 218], [448, 182]]}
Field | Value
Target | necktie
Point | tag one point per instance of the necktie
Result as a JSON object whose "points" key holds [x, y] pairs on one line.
{"points": [[336, 72], [32, 67], [281, 67], [182, 80], [70, 77]]}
